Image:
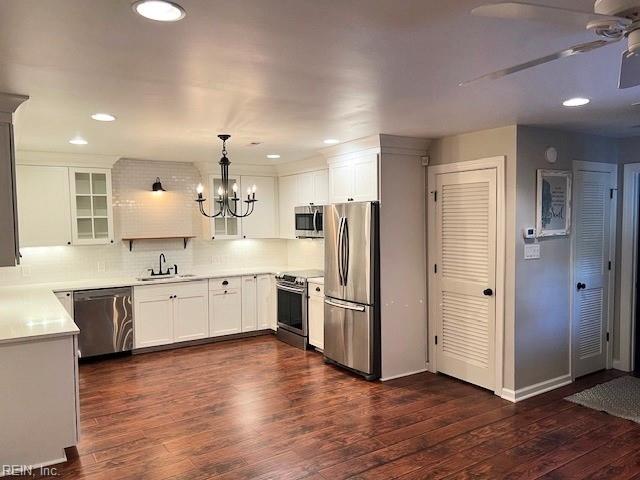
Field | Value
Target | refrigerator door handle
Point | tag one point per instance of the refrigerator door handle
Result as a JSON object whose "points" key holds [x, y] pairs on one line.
{"points": [[340, 252], [345, 236], [346, 306]]}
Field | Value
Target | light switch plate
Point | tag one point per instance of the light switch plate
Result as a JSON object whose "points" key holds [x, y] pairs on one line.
{"points": [[532, 251]]}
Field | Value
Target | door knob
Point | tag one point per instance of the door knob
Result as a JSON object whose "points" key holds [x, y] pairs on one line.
{"points": [[581, 286], [488, 292]]}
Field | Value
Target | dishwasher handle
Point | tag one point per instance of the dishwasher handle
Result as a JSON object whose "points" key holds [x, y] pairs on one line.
{"points": [[100, 294]]}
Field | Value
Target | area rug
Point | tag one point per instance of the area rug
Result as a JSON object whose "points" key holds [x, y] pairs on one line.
{"points": [[619, 397]]}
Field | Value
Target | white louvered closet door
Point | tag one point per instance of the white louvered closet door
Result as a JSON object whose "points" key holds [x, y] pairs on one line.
{"points": [[465, 277], [592, 207]]}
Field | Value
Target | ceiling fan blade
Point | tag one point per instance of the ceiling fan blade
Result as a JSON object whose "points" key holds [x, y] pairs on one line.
{"points": [[576, 49], [630, 71], [542, 13]]}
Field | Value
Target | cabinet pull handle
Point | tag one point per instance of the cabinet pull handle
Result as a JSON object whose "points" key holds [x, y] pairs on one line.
{"points": [[225, 283], [225, 292], [317, 289]]}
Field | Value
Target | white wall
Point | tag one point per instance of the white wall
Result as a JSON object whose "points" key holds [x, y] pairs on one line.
{"points": [[403, 282]]}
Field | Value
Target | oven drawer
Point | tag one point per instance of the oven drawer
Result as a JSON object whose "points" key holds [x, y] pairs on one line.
{"points": [[225, 283]]}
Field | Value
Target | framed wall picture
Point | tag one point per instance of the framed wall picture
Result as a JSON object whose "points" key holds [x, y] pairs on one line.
{"points": [[553, 209]]}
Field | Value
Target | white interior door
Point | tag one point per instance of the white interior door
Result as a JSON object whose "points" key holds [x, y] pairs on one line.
{"points": [[466, 275], [592, 252]]}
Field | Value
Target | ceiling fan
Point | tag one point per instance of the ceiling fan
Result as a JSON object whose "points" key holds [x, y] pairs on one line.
{"points": [[612, 21]]}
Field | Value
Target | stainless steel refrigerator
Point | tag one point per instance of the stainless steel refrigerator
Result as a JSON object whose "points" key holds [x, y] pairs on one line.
{"points": [[352, 287]]}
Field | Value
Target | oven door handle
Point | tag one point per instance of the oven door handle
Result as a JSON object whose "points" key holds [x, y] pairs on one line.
{"points": [[315, 222], [289, 289], [346, 306]]}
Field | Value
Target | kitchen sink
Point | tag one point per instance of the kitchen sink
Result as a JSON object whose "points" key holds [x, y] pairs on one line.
{"points": [[158, 278]]}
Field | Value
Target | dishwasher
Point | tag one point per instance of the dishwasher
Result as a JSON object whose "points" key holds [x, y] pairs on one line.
{"points": [[105, 319]]}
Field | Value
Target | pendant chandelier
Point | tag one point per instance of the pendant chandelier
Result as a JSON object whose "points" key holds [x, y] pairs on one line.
{"points": [[227, 206]]}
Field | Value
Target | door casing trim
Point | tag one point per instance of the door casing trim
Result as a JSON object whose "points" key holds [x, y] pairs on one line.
{"points": [[613, 171], [628, 267], [491, 163]]}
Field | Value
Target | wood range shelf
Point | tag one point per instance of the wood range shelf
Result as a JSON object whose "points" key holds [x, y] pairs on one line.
{"points": [[131, 240]]}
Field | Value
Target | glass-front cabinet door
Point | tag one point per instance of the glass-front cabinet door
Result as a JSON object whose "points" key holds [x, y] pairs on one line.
{"points": [[91, 211], [228, 227]]}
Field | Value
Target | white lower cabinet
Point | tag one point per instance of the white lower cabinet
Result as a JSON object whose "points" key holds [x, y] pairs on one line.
{"points": [[191, 316], [316, 315], [249, 303], [170, 313], [266, 301], [225, 307]]}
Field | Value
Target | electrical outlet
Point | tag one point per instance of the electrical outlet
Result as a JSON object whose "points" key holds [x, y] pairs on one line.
{"points": [[26, 270], [102, 266]]}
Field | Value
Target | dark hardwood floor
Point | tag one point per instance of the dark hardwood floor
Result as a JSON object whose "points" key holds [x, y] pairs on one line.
{"points": [[259, 409]]}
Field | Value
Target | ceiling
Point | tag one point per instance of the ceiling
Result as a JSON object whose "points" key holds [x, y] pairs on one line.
{"points": [[289, 73]]}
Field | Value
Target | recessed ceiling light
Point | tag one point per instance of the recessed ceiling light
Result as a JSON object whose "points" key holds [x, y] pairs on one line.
{"points": [[576, 102], [159, 10], [103, 117], [273, 156], [78, 141], [331, 141]]}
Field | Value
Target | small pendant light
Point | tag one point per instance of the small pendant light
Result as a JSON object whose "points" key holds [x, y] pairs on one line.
{"points": [[157, 186]]}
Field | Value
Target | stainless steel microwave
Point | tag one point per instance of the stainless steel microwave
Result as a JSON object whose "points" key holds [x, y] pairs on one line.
{"points": [[309, 222]]}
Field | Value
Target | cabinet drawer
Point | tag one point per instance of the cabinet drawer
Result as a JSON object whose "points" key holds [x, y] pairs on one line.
{"points": [[225, 283], [316, 290]]}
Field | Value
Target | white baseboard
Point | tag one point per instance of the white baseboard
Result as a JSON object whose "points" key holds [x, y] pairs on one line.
{"points": [[620, 365], [537, 389], [422, 370]]}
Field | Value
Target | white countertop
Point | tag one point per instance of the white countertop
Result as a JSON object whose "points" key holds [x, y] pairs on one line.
{"points": [[32, 312]]}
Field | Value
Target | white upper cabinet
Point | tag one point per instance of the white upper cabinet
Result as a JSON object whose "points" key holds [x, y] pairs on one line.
{"points": [[223, 228], [91, 206], [341, 182], [321, 187], [288, 199], [44, 211], [354, 180], [305, 194], [262, 222], [311, 188]]}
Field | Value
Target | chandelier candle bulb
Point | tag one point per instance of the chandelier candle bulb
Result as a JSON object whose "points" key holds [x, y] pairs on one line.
{"points": [[199, 190]]}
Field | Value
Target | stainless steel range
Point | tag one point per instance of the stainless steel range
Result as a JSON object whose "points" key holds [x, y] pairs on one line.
{"points": [[292, 306]]}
